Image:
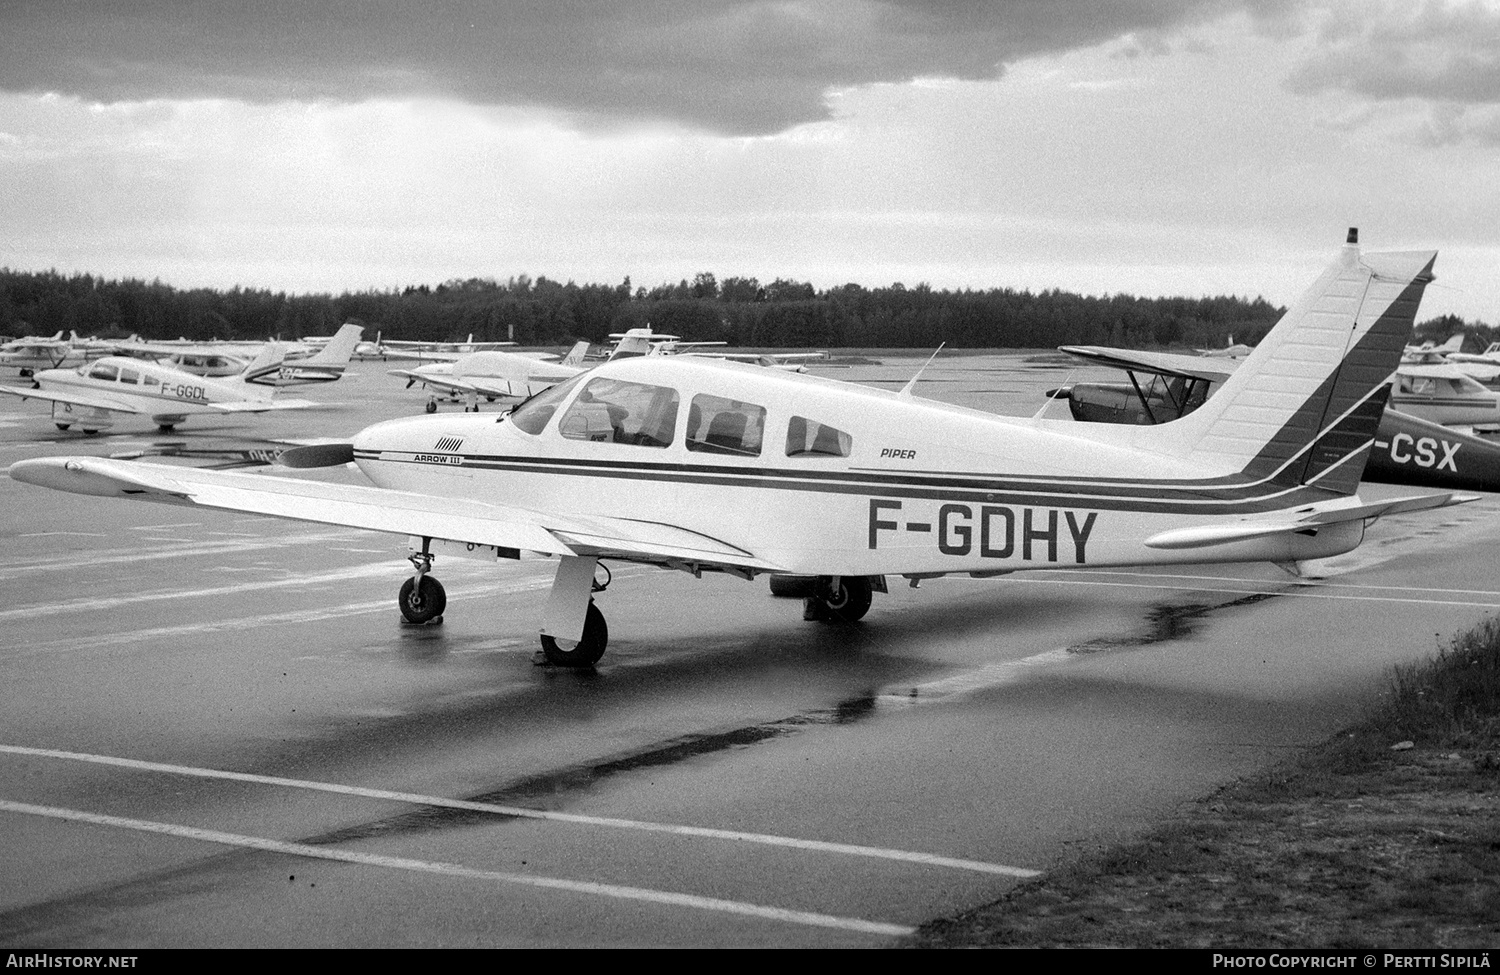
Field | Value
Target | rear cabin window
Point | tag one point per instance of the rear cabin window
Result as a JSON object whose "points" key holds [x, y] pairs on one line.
{"points": [[614, 411], [809, 438], [130, 376], [150, 380], [717, 425]]}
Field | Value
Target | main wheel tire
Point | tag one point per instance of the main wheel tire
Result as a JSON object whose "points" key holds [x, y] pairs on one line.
{"points": [[63, 426], [589, 649], [784, 584], [431, 406], [422, 601], [847, 601]]}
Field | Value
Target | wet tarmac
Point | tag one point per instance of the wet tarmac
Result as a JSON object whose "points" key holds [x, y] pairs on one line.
{"points": [[217, 731]]}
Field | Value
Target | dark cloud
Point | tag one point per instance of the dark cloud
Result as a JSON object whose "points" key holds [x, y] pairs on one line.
{"points": [[731, 66]]}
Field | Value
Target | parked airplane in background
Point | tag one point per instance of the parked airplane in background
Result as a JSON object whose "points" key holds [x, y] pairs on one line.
{"points": [[1163, 387], [1430, 352], [1483, 366], [439, 350], [1232, 350], [643, 341], [324, 366], [706, 466], [94, 393], [34, 352], [507, 376], [1443, 393]]}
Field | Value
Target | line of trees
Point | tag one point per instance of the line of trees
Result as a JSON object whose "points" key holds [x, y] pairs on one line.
{"points": [[740, 311]]}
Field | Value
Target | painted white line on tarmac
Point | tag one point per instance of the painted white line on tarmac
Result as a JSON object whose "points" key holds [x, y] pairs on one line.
{"points": [[674, 899], [765, 839], [1303, 583], [1296, 592], [103, 603]]}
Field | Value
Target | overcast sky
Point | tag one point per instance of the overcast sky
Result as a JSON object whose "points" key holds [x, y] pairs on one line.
{"points": [[1141, 146]]}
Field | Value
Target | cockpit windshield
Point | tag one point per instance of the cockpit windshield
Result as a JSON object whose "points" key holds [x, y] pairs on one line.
{"points": [[531, 414]]}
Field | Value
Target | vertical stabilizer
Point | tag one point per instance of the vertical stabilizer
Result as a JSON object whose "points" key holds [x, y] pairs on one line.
{"points": [[1304, 406]]}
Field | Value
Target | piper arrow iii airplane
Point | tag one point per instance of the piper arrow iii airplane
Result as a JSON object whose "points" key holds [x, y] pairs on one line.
{"points": [[708, 466], [92, 394]]}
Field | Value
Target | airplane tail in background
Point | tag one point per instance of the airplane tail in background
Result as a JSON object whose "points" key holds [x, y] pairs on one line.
{"points": [[338, 351], [575, 355], [266, 363], [1304, 406]]}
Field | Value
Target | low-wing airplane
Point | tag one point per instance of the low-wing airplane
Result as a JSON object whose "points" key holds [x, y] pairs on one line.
{"points": [[1483, 366], [1431, 351], [95, 392], [505, 376], [1231, 350], [708, 466], [1164, 386], [320, 363]]}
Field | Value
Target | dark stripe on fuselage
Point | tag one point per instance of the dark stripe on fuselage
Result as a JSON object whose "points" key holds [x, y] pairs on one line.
{"points": [[1211, 496]]}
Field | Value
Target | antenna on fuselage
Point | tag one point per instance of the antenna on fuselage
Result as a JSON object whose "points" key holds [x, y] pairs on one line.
{"points": [[906, 391], [1061, 392]]}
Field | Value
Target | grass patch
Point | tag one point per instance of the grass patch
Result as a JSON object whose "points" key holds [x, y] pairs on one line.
{"points": [[1385, 836]]}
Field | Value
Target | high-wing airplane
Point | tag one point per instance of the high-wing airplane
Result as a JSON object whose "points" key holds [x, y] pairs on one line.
{"points": [[1408, 448], [706, 466], [438, 350], [27, 355], [505, 376], [323, 366], [94, 393]]}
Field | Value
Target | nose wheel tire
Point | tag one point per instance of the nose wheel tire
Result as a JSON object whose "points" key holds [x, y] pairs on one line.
{"points": [[588, 650], [422, 599]]}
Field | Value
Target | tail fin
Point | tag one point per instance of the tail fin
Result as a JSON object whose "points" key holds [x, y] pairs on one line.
{"points": [[1304, 406], [338, 350], [259, 376], [575, 355]]}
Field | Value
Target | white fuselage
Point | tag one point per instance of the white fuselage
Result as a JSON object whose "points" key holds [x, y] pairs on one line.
{"points": [[832, 479], [148, 387]]}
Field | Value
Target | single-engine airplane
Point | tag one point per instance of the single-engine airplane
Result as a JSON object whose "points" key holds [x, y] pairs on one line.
{"points": [[95, 392], [506, 376], [708, 466]]}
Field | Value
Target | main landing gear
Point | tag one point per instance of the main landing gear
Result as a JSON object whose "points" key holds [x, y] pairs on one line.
{"points": [[838, 599], [422, 598], [575, 581]]}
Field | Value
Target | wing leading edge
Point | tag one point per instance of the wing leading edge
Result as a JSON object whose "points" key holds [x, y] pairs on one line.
{"points": [[384, 510]]}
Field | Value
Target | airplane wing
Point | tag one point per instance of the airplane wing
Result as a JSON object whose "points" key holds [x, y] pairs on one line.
{"points": [[1159, 363], [93, 401], [1205, 536], [384, 510], [264, 406]]}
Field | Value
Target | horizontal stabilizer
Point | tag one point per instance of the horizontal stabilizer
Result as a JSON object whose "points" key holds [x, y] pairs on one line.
{"points": [[1205, 536]]}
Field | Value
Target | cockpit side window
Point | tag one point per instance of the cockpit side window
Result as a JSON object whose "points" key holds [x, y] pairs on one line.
{"points": [[531, 415], [717, 425], [809, 438], [615, 411], [130, 376], [104, 372]]}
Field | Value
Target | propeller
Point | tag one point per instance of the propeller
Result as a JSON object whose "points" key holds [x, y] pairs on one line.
{"points": [[317, 455]]}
